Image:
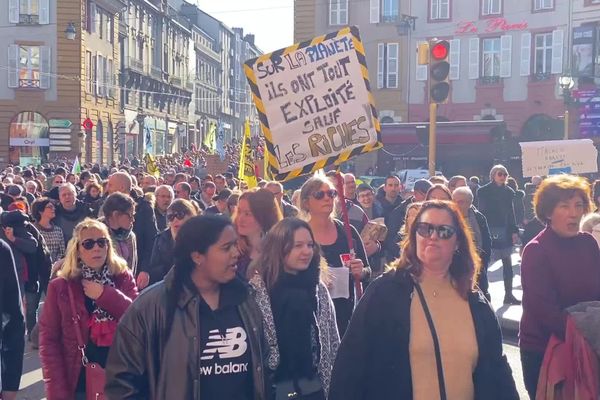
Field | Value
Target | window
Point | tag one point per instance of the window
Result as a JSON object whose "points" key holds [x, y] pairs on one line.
{"points": [[491, 7], [390, 10], [29, 66], [491, 57], [539, 5], [29, 12], [543, 53], [89, 75], [338, 12], [439, 9], [387, 66]]}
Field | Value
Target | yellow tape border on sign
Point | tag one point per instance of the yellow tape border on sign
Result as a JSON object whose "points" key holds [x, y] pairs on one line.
{"points": [[272, 162]]}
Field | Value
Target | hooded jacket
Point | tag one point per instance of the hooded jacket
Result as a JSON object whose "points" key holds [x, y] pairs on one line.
{"points": [[145, 228], [149, 361]]}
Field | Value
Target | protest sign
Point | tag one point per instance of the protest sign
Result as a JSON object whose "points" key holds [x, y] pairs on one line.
{"points": [[314, 103], [559, 156]]}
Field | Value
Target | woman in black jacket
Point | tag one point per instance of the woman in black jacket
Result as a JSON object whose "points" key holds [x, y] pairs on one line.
{"points": [[390, 350], [161, 260], [495, 201]]}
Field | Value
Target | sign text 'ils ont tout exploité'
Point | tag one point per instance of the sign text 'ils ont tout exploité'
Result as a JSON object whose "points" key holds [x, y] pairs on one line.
{"points": [[314, 103]]}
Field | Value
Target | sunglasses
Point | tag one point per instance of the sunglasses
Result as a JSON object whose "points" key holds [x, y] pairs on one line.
{"points": [[89, 244], [502, 174], [176, 214], [444, 232], [332, 193]]}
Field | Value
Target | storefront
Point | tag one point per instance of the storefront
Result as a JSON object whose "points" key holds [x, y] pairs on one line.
{"points": [[28, 139]]}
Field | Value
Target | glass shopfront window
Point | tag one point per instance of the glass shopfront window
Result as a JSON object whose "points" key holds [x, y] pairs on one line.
{"points": [[28, 139]]}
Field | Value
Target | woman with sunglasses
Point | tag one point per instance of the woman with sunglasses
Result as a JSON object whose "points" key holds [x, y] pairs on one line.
{"points": [[256, 213], [197, 334], [298, 313], [101, 287], [495, 202], [118, 210], [317, 198], [161, 260], [423, 329]]}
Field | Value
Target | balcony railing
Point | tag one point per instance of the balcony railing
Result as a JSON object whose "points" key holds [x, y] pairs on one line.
{"points": [[136, 65], [541, 76], [156, 72], [189, 85], [29, 83], [489, 80], [175, 81], [26, 19]]}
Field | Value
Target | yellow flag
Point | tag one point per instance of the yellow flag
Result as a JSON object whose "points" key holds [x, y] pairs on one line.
{"points": [[247, 171], [210, 139], [151, 167]]}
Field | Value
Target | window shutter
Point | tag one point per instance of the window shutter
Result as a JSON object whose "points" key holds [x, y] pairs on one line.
{"points": [[98, 75], [392, 65], [375, 11], [44, 12], [454, 59], [525, 67], [380, 64], [474, 58], [45, 69], [557, 51], [434, 8], [110, 81], [92, 17], [13, 66], [333, 12], [104, 76], [13, 11], [505, 56], [420, 70]]}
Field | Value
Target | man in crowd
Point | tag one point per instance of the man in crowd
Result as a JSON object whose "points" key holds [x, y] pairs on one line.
{"points": [[220, 201], [395, 219], [70, 211], [220, 183], [392, 198], [366, 198], [350, 187], [287, 209], [206, 195], [183, 190], [164, 197], [148, 181]]}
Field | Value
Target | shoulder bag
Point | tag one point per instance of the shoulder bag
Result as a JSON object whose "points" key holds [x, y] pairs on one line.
{"points": [[95, 376], [436, 343]]}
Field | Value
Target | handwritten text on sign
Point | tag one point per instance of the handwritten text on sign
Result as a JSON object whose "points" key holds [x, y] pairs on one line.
{"points": [[552, 157], [316, 102]]}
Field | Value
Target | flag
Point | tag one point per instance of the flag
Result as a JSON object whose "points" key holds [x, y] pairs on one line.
{"points": [[76, 168], [148, 138], [151, 167], [266, 174], [210, 138], [220, 141], [247, 171]]}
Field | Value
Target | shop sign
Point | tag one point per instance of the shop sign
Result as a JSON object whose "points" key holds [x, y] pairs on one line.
{"points": [[30, 142], [489, 26], [59, 123]]}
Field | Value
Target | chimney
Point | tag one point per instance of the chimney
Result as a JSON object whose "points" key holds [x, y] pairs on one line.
{"points": [[249, 38]]}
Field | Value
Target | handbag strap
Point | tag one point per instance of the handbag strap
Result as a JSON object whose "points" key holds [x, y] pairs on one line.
{"points": [[76, 321], [436, 343]]}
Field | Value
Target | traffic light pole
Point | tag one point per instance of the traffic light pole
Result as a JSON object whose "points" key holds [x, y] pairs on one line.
{"points": [[432, 137]]}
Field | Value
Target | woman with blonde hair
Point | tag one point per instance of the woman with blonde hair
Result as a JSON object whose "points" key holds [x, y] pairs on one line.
{"points": [[256, 213], [298, 314], [423, 330], [83, 305], [317, 198]]}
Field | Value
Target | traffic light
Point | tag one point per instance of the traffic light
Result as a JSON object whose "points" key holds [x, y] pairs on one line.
{"points": [[439, 67]]}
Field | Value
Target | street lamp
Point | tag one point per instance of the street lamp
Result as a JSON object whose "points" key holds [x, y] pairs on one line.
{"points": [[70, 32], [566, 82]]}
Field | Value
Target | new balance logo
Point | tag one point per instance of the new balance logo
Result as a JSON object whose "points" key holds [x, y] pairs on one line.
{"points": [[231, 346]]}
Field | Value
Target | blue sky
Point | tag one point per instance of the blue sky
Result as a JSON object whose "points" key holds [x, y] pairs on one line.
{"points": [[272, 21]]}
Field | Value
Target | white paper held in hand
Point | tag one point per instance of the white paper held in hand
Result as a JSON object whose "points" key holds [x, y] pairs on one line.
{"points": [[340, 278]]}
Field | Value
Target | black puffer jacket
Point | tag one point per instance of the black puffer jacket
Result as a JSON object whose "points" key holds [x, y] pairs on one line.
{"points": [[373, 360], [145, 229], [496, 203]]}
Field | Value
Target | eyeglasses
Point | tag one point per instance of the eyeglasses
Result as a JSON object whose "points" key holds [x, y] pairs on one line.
{"points": [[502, 174], [176, 214], [444, 232], [89, 244], [332, 193]]}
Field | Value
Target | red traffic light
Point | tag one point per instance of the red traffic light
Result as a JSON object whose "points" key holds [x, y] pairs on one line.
{"points": [[440, 50]]}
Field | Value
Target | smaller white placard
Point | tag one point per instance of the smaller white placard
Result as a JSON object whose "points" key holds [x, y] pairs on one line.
{"points": [[340, 278]]}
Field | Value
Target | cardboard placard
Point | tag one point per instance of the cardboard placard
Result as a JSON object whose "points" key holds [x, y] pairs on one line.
{"points": [[559, 156], [314, 103]]}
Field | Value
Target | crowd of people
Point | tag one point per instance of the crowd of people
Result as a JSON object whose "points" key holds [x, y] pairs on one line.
{"points": [[182, 285]]}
